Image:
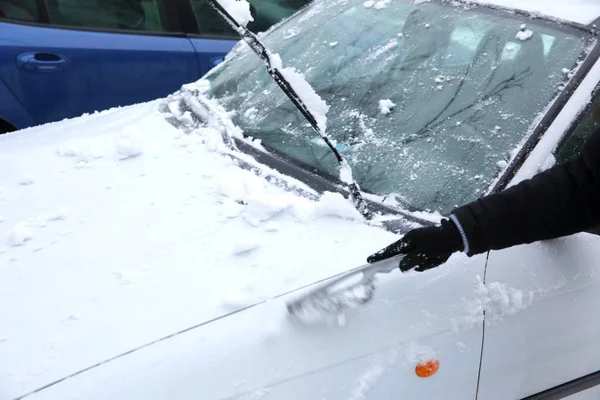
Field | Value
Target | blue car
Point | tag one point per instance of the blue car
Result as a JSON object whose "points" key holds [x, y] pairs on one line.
{"points": [[63, 58]]}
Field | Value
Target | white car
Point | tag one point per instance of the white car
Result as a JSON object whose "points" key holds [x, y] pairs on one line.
{"points": [[149, 252]]}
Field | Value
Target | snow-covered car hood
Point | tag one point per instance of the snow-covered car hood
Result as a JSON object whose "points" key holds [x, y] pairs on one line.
{"points": [[118, 229]]}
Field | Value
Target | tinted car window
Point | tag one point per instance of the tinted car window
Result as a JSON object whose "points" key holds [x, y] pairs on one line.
{"points": [[587, 125], [265, 14], [19, 10], [137, 15]]}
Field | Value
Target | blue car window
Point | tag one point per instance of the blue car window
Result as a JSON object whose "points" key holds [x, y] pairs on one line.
{"points": [[20, 10], [136, 15], [265, 13]]}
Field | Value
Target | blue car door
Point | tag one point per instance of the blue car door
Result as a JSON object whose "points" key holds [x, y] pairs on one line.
{"points": [[63, 58]]}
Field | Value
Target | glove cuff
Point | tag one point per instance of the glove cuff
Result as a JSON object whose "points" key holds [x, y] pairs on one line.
{"points": [[453, 234]]}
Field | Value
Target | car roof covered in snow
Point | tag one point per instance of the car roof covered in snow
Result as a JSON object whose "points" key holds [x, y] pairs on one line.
{"points": [[579, 11]]}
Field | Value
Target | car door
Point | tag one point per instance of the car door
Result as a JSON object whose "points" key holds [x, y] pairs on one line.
{"points": [[213, 38], [542, 334], [63, 58]]}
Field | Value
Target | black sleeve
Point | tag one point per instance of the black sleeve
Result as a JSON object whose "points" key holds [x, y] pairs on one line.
{"points": [[560, 201]]}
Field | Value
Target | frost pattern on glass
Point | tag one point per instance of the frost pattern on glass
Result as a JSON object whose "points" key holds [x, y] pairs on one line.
{"points": [[465, 92]]}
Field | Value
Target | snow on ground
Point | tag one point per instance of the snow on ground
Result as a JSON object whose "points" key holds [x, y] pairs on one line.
{"points": [[132, 230]]}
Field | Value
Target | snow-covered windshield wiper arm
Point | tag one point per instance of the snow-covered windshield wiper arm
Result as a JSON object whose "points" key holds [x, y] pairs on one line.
{"points": [[274, 66]]}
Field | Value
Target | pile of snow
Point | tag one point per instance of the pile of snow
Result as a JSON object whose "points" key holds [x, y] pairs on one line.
{"points": [[497, 299], [386, 106], [524, 33], [250, 197], [19, 234], [129, 143], [238, 9]]}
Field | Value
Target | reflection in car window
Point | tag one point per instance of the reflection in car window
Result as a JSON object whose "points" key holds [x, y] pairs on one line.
{"points": [[588, 124], [265, 13], [19, 10], [465, 92], [138, 15]]}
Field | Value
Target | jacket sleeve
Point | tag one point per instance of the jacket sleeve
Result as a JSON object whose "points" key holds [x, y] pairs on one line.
{"points": [[560, 201]]}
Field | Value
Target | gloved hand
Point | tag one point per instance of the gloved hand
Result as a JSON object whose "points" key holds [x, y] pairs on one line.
{"points": [[425, 248]]}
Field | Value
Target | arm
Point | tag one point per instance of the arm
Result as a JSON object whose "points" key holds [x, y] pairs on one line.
{"points": [[558, 202]]}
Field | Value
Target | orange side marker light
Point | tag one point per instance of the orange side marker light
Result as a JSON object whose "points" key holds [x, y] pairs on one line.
{"points": [[427, 368]]}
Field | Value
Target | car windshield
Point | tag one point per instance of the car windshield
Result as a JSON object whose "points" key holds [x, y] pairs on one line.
{"points": [[427, 101]]}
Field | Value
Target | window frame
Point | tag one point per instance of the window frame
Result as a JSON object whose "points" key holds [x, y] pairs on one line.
{"points": [[595, 98], [173, 26]]}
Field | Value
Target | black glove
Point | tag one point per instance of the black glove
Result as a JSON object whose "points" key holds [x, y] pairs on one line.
{"points": [[425, 248]]}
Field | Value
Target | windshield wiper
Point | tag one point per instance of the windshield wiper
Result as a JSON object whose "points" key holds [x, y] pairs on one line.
{"points": [[262, 52]]}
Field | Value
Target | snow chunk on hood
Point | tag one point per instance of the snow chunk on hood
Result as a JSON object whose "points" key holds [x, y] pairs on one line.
{"points": [[386, 106], [249, 196], [336, 205], [238, 9], [129, 143]]}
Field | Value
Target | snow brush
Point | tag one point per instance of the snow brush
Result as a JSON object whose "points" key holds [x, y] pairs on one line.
{"points": [[348, 290], [261, 51]]}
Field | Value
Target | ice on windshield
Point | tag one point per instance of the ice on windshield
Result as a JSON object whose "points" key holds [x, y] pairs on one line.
{"points": [[465, 93]]}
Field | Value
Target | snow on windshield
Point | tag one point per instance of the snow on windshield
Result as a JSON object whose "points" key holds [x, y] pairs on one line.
{"points": [[425, 104], [238, 9]]}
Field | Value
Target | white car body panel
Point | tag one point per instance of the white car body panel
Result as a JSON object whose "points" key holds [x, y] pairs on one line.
{"points": [[589, 394], [261, 353], [553, 337]]}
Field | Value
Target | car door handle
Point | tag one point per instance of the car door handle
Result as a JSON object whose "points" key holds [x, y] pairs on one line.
{"points": [[41, 62]]}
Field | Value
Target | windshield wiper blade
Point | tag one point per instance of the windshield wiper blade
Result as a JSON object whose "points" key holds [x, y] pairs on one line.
{"points": [[262, 52]]}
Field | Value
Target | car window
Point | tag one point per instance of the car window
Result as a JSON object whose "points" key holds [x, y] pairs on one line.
{"points": [[136, 15], [265, 13], [587, 124], [427, 101], [20, 10]]}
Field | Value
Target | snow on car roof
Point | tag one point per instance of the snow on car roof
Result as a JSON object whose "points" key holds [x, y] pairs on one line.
{"points": [[579, 11]]}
